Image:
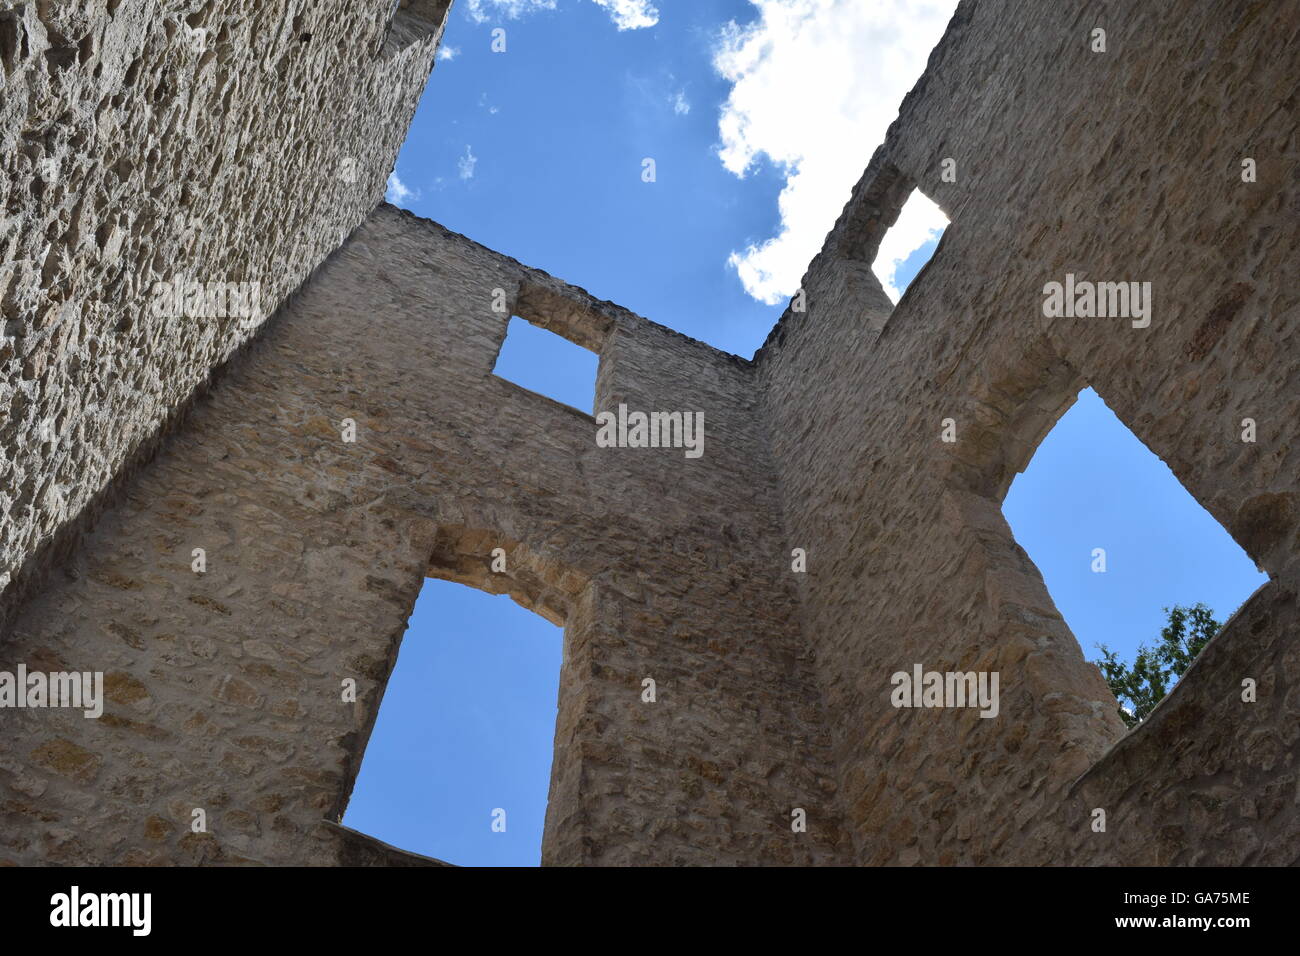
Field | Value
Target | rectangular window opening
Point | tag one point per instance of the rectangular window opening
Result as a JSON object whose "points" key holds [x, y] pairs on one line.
{"points": [[458, 766], [548, 364], [909, 244]]}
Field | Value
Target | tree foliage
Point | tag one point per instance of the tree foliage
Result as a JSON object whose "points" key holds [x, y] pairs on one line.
{"points": [[1143, 685]]}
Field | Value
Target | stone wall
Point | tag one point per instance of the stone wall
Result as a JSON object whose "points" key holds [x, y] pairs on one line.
{"points": [[1123, 165], [235, 141], [773, 687], [225, 687]]}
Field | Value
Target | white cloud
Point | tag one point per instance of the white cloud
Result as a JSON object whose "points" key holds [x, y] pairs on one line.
{"points": [[465, 165], [397, 192], [681, 105], [630, 14], [919, 221], [815, 84], [481, 11], [448, 52], [626, 14]]}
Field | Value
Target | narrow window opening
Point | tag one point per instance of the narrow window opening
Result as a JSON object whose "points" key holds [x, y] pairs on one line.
{"points": [[543, 362], [909, 244], [412, 21], [1119, 540], [458, 765]]}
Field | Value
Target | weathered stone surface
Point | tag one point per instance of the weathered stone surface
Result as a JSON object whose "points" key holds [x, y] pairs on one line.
{"points": [[234, 141], [316, 549], [223, 689], [1068, 161]]}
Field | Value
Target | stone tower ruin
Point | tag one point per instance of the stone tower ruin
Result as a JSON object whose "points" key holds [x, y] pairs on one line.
{"points": [[152, 144]]}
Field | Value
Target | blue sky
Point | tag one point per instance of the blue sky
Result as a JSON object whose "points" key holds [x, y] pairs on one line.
{"points": [[466, 728], [557, 167], [760, 117], [1092, 484]]}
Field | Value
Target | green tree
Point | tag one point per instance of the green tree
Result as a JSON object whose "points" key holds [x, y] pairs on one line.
{"points": [[1158, 668]]}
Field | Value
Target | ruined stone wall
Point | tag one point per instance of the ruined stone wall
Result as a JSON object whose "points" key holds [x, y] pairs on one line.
{"points": [[1123, 165], [1206, 779], [773, 686], [234, 141], [224, 687]]}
